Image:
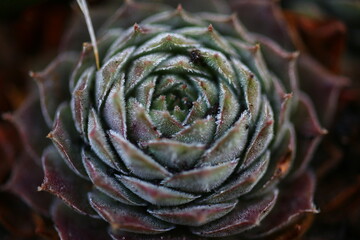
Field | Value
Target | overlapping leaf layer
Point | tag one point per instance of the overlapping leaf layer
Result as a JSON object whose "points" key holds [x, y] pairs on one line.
{"points": [[184, 125]]}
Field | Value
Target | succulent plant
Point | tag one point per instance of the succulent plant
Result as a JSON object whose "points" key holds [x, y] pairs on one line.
{"points": [[192, 127]]}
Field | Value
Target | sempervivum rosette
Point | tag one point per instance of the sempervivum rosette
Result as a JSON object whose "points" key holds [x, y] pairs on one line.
{"points": [[186, 130]]}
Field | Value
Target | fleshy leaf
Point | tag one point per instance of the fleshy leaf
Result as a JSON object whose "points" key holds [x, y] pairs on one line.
{"points": [[201, 131], [231, 144], [81, 227], [175, 154], [228, 110], [140, 126], [145, 92], [208, 90], [263, 135], [80, 101], [198, 111], [166, 124], [180, 65], [245, 215], [31, 126], [126, 218], [53, 84], [155, 194], [99, 143], [166, 42], [114, 111], [99, 175], [242, 183], [66, 139], [195, 215], [62, 182], [309, 133], [141, 68], [25, 177], [221, 65], [300, 193], [108, 74], [135, 160], [202, 179]]}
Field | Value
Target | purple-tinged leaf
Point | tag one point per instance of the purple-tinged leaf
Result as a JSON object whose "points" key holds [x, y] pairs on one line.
{"points": [[178, 17], [67, 140], [126, 218], [80, 101], [195, 215], [281, 62], [99, 175], [155, 194], [140, 126], [203, 179], [63, 183], [242, 182], [231, 144], [201, 131], [86, 61], [245, 215], [228, 110], [281, 162], [299, 193], [322, 86], [53, 84], [25, 177], [137, 161], [175, 154], [114, 112], [265, 12], [31, 126], [99, 143], [308, 131], [71, 225]]}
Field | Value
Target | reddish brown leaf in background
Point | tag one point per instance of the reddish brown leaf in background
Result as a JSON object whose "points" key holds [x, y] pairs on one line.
{"points": [[322, 38]]}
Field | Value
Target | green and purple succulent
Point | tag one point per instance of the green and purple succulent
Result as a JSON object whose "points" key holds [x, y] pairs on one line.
{"points": [[193, 127]]}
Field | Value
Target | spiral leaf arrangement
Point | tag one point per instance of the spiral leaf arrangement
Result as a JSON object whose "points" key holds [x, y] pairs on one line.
{"points": [[191, 122]]}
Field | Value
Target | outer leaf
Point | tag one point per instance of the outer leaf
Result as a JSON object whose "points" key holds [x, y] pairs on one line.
{"points": [[195, 215], [247, 214], [65, 138], [60, 181], [99, 175], [81, 227], [126, 218], [99, 143]]}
